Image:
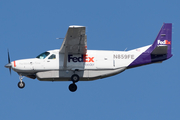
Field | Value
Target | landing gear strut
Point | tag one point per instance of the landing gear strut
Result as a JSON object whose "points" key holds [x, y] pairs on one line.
{"points": [[74, 79], [21, 84]]}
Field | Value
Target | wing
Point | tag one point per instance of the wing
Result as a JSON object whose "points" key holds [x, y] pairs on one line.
{"points": [[75, 42]]}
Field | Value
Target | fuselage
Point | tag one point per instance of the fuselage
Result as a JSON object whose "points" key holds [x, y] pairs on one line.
{"points": [[93, 65]]}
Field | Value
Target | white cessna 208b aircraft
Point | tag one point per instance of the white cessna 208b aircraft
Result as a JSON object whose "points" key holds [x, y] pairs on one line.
{"points": [[73, 62]]}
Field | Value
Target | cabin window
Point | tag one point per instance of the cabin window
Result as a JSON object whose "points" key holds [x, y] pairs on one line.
{"points": [[52, 56], [43, 55]]}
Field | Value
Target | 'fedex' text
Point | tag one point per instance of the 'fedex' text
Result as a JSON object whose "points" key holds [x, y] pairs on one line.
{"points": [[165, 42], [83, 58]]}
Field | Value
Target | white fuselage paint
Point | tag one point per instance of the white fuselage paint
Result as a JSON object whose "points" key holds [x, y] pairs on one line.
{"points": [[94, 65]]}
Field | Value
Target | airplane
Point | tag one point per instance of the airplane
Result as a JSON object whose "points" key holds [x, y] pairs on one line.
{"points": [[73, 62]]}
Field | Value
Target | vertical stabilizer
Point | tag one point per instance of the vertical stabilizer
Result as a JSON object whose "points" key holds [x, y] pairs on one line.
{"points": [[159, 51], [164, 39]]}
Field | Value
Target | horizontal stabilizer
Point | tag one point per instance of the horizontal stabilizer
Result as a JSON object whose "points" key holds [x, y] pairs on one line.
{"points": [[160, 50]]}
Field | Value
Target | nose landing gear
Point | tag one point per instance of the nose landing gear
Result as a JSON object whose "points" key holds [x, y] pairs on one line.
{"points": [[21, 84], [74, 79]]}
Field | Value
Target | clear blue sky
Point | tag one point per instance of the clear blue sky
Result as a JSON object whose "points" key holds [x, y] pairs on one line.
{"points": [[29, 28]]}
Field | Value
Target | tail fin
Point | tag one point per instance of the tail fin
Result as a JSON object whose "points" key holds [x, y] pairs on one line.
{"points": [[163, 41], [159, 51]]}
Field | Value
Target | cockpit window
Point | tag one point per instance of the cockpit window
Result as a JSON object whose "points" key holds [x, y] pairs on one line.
{"points": [[43, 55], [52, 56]]}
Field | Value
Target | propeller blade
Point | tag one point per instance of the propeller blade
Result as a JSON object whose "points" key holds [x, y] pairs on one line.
{"points": [[8, 57], [10, 70], [9, 63]]}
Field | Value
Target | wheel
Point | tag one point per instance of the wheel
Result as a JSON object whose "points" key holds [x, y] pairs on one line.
{"points": [[75, 78], [21, 84], [72, 87]]}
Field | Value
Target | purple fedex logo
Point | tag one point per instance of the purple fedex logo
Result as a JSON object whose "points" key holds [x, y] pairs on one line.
{"points": [[82, 58]]}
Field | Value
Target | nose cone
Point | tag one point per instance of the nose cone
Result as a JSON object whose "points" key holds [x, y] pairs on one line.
{"points": [[9, 65]]}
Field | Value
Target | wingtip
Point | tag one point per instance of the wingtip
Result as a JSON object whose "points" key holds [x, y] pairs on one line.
{"points": [[75, 26]]}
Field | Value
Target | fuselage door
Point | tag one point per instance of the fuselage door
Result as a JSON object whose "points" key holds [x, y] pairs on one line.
{"points": [[51, 62]]}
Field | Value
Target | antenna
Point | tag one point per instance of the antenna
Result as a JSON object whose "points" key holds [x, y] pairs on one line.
{"points": [[59, 38]]}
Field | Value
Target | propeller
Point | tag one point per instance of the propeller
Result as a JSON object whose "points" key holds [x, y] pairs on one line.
{"points": [[9, 63]]}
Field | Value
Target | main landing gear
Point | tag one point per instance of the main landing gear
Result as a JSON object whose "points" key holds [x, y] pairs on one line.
{"points": [[74, 79], [21, 84]]}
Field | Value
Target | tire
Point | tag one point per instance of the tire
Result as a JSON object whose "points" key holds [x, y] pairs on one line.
{"points": [[75, 78], [72, 87], [21, 84]]}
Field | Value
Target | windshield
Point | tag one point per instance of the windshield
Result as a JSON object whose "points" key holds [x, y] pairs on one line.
{"points": [[43, 55]]}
